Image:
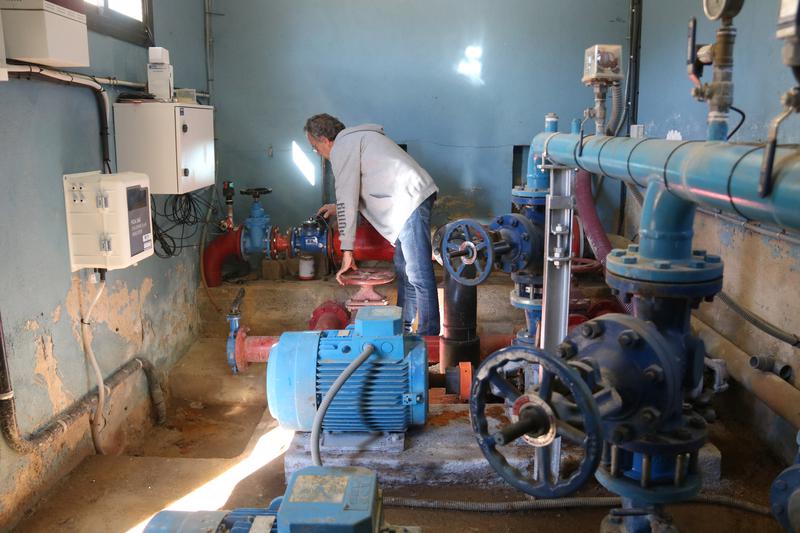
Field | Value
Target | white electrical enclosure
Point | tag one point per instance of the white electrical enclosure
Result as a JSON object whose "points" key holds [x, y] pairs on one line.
{"points": [[108, 219], [173, 143], [51, 33]]}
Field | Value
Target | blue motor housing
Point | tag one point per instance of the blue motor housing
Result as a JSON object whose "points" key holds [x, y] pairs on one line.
{"points": [[388, 393], [321, 499]]}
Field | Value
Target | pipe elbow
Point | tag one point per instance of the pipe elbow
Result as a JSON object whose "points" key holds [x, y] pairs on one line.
{"points": [[215, 254]]}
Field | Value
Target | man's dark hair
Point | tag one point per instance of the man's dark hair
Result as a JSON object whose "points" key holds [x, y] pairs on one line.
{"points": [[323, 125]]}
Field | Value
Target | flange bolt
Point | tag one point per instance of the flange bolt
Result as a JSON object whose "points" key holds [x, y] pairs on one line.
{"points": [[591, 330], [628, 338]]}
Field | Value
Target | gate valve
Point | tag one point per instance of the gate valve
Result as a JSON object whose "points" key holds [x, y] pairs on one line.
{"points": [[468, 251], [560, 405]]}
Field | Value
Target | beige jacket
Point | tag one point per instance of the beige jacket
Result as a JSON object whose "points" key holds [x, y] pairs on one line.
{"points": [[376, 177]]}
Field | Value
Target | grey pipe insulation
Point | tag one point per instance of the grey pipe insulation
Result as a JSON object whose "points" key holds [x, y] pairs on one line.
{"points": [[57, 426]]}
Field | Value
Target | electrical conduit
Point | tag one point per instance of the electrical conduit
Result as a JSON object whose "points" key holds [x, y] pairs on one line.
{"points": [[47, 434], [99, 415]]}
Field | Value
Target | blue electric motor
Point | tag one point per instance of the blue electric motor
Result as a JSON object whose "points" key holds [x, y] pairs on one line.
{"points": [[321, 499], [388, 392]]}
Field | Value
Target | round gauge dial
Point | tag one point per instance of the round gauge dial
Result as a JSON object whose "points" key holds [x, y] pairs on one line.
{"points": [[716, 9]]}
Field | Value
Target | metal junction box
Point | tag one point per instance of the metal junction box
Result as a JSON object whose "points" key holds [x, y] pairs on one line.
{"points": [[51, 33], [108, 219], [172, 143]]}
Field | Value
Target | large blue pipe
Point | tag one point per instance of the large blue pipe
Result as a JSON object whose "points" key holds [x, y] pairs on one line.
{"points": [[713, 174]]}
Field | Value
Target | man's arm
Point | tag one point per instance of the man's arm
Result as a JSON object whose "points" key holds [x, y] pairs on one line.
{"points": [[346, 166]]}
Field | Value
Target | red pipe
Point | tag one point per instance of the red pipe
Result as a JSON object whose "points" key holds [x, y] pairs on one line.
{"points": [[226, 245], [252, 349], [329, 315], [369, 246]]}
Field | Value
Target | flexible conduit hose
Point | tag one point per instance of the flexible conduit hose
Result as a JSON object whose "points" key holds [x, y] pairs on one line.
{"points": [[560, 503], [316, 428], [99, 414], [595, 234], [757, 321], [616, 109]]}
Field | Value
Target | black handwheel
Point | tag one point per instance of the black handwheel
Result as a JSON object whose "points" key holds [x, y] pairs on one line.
{"points": [[465, 243], [256, 192], [535, 419]]}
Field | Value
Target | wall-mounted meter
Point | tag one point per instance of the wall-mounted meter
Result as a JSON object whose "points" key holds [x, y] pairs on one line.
{"points": [[172, 143], [108, 219], [602, 63]]}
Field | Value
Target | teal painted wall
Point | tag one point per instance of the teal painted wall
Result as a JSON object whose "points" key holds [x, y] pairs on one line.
{"points": [[47, 130], [394, 63]]}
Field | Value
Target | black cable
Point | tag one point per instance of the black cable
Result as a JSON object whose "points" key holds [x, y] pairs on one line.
{"points": [[184, 214], [739, 125], [623, 196], [759, 322]]}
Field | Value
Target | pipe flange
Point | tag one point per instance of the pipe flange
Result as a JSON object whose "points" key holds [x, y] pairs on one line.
{"points": [[629, 263]]}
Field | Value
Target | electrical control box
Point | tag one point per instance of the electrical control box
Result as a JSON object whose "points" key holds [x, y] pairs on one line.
{"points": [[51, 33], [108, 219], [173, 143], [602, 64]]}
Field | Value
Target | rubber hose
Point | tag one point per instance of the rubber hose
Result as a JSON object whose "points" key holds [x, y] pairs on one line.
{"points": [[616, 109], [560, 503], [316, 428], [595, 234], [767, 327]]}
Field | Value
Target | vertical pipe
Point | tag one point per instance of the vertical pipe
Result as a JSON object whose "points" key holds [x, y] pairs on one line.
{"points": [[666, 226], [459, 341]]}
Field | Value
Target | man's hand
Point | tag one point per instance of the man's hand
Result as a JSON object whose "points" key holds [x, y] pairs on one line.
{"points": [[348, 263], [327, 210]]}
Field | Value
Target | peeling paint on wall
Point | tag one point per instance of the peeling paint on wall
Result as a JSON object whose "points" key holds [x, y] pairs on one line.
{"points": [[47, 374], [119, 308]]}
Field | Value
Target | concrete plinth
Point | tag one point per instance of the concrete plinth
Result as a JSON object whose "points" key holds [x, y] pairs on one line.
{"points": [[443, 452]]}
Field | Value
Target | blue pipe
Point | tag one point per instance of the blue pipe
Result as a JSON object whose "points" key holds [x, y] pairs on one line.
{"points": [[666, 226], [713, 174]]}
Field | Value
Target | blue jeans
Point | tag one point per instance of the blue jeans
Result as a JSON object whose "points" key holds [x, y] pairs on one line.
{"points": [[416, 283]]}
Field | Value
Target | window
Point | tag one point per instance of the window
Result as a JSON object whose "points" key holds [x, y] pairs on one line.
{"points": [[128, 20]]}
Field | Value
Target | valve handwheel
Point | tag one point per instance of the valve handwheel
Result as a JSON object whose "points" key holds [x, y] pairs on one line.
{"points": [[467, 244], [256, 192], [535, 419]]}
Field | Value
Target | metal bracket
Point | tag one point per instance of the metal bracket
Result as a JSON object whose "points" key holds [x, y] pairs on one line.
{"points": [[105, 243], [412, 398]]}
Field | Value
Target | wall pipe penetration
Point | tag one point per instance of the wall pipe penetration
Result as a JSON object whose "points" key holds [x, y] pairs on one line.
{"points": [[716, 175], [47, 434]]}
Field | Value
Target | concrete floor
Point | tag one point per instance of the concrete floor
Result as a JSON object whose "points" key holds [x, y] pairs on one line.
{"points": [[221, 449]]}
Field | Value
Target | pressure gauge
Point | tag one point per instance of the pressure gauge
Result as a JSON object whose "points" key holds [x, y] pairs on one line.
{"points": [[717, 9]]}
